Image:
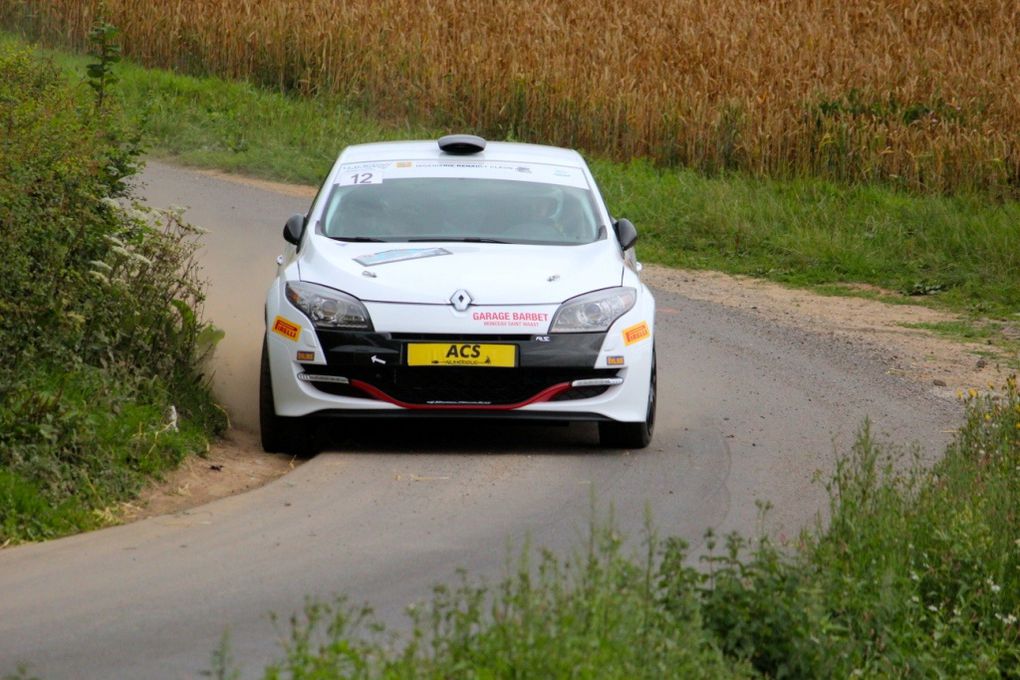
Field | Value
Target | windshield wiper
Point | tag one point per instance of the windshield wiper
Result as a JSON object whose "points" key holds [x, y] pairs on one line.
{"points": [[456, 239]]}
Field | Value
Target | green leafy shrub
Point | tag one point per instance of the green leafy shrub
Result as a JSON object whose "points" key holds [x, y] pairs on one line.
{"points": [[100, 302], [598, 614]]}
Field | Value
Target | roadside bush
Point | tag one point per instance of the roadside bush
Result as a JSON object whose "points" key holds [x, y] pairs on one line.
{"points": [[917, 575], [597, 614], [100, 302]]}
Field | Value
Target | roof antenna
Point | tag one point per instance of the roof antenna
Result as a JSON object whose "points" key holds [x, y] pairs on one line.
{"points": [[461, 145]]}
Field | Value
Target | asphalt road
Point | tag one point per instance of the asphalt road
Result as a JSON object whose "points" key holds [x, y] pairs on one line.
{"points": [[748, 411]]}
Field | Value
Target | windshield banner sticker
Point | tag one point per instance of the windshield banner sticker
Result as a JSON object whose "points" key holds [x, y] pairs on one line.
{"points": [[388, 256], [352, 177], [366, 173]]}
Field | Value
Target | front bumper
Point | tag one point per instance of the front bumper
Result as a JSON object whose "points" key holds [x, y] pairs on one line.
{"points": [[568, 376]]}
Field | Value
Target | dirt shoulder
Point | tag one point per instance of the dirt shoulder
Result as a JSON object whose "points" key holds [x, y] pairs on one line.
{"points": [[236, 463], [946, 365]]}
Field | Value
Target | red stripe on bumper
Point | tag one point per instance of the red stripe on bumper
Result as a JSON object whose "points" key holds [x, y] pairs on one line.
{"points": [[545, 395]]}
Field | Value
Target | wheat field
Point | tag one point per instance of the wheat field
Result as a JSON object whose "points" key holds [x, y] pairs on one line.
{"points": [[923, 94]]}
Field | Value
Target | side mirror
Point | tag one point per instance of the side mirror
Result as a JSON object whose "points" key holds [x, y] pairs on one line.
{"points": [[625, 233], [294, 229]]}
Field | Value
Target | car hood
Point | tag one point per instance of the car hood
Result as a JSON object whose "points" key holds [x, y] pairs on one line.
{"points": [[492, 274]]}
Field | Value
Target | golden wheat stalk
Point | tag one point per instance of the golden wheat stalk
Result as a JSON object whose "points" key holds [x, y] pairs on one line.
{"points": [[924, 93]]}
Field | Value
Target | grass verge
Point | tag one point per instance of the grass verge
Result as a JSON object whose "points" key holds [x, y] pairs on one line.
{"points": [[76, 443], [955, 252]]}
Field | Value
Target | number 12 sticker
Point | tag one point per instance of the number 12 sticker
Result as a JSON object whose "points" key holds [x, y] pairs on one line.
{"points": [[351, 178]]}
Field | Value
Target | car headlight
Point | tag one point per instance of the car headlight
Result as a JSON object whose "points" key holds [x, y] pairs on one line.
{"points": [[328, 308], [593, 312]]}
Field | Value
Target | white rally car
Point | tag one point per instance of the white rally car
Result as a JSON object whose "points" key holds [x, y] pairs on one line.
{"points": [[459, 278]]}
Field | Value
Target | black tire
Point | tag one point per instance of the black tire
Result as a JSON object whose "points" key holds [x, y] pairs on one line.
{"points": [[279, 434], [617, 435]]}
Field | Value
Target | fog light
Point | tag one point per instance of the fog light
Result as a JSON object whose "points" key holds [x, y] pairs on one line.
{"points": [[311, 377], [597, 382]]}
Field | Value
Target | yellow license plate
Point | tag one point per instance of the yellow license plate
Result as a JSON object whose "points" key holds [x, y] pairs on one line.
{"points": [[461, 354]]}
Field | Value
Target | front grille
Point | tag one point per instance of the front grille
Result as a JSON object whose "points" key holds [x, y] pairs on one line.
{"points": [[339, 390], [462, 385], [459, 337]]}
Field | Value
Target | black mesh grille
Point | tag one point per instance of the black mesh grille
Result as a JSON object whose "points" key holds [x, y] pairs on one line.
{"points": [[580, 393], [462, 337], [339, 389]]}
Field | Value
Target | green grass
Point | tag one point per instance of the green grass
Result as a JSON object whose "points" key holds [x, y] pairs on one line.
{"points": [[960, 253], [235, 126], [962, 330], [76, 442]]}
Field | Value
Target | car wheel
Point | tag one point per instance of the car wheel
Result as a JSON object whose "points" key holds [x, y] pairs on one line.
{"points": [[633, 435], [279, 434]]}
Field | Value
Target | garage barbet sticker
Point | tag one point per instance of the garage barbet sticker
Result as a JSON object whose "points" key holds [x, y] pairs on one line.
{"points": [[510, 318]]}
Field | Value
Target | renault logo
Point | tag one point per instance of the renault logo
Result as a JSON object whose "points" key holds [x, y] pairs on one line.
{"points": [[461, 300]]}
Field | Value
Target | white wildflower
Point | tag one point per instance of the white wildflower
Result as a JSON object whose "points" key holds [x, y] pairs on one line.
{"points": [[138, 257], [171, 416]]}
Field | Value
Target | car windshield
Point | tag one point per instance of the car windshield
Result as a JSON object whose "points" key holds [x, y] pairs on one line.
{"points": [[373, 204]]}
